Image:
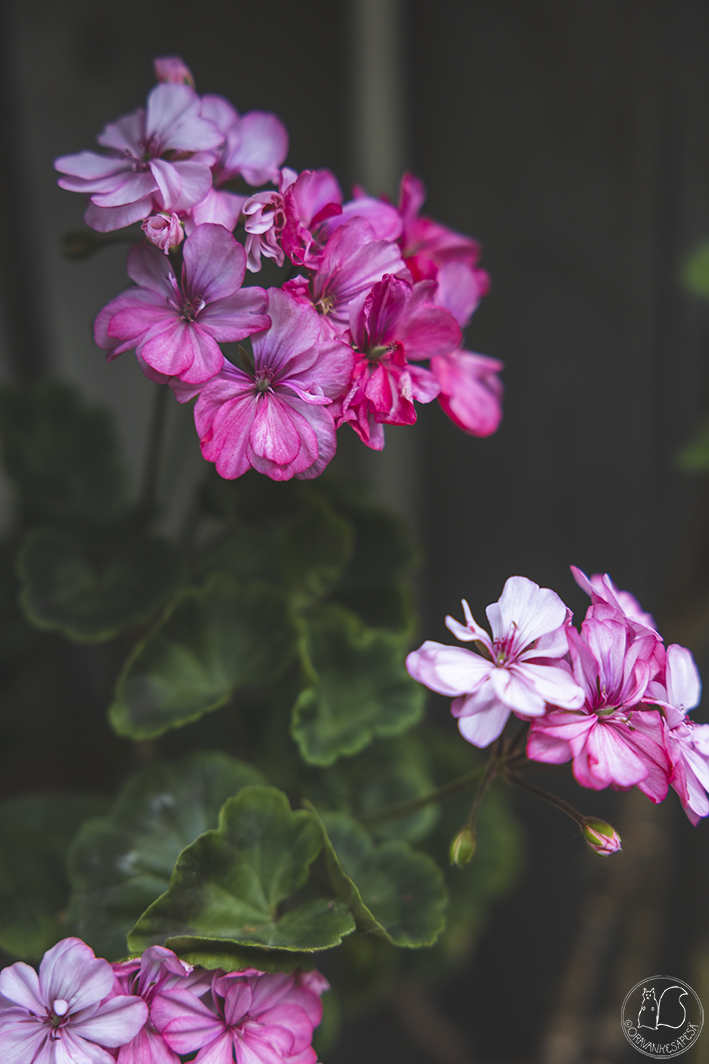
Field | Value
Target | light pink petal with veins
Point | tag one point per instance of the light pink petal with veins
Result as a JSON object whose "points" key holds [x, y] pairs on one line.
{"points": [[108, 219], [215, 263], [237, 316], [117, 1021], [19, 983], [70, 971], [485, 725], [526, 611], [220, 208], [448, 670]]}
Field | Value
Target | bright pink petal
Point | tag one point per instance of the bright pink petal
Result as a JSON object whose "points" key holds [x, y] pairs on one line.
{"points": [[237, 316]]}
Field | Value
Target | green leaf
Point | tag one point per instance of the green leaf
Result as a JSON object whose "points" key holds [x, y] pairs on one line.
{"points": [[122, 862], [316, 546], [60, 452], [390, 888], [236, 958], [92, 588], [695, 271], [213, 640], [228, 885], [35, 832], [694, 456], [361, 688]]}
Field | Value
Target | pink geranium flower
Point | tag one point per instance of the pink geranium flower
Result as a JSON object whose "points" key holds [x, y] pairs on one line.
{"points": [[68, 1013], [149, 165], [173, 70], [250, 1018], [470, 390], [273, 415], [601, 588], [176, 326], [522, 671], [613, 740], [390, 324]]}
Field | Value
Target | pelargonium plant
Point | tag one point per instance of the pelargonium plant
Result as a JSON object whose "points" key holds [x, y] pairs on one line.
{"points": [[282, 809]]}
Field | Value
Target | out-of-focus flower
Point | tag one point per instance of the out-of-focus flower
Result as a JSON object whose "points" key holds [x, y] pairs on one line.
{"points": [[460, 287], [601, 837], [65, 1014], [470, 390], [174, 326], [149, 165], [164, 231], [172, 69], [521, 672], [273, 416], [390, 324], [255, 144], [614, 740], [251, 1018]]}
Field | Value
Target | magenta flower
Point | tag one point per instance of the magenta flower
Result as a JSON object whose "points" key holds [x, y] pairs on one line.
{"points": [[273, 416], [136, 177], [601, 588], [309, 199], [460, 289], [175, 326], [68, 1014], [470, 390], [250, 1018], [388, 325], [352, 263], [522, 671], [613, 739]]}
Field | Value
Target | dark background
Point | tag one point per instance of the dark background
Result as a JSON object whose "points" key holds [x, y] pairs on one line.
{"points": [[571, 139]]}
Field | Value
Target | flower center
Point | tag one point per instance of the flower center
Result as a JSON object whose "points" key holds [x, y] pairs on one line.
{"points": [[376, 353], [325, 304], [191, 308], [262, 380]]}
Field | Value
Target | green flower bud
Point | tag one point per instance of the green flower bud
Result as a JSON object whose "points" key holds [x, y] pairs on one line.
{"points": [[601, 837], [462, 847]]}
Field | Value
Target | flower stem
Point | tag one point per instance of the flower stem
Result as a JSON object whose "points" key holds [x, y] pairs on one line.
{"points": [[448, 790], [546, 796], [491, 770], [151, 468]]}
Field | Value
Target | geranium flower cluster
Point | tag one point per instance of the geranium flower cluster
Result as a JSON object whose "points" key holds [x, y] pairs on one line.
{"points": [[79, 1009], [370, 325], [610, 698]]}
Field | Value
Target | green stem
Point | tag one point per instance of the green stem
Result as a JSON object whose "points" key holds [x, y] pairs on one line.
{"points": [[154, 448], [545, 796], [448, 790], [490, 773]]}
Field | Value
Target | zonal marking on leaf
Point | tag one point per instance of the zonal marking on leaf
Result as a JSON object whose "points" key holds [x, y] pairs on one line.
{"points": [[227, 886], [389, 888], [361, 688]]}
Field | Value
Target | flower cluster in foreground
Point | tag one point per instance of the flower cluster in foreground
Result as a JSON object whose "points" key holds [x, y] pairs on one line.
{"points": [[80, 1009], [370, 325], [610, 698]]}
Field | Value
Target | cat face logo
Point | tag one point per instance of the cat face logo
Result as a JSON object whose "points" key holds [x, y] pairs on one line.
{"points": [[662, 1016]]}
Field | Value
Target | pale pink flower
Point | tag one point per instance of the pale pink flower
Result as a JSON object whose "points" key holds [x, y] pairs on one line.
{"points": [[273, 416], [390, 324], [174, 326], [172, 69], [470, 390], [68, 1013], [351, 264], [163, 231], [614, 739], [522, 671], [149, 166], [250, 1017]]}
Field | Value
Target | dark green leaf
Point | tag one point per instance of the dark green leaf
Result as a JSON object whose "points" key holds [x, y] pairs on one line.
{"points": [[60, 452], [390, 888], [229, 884], [122, 862], [694, 456], [361, 688], [316, 546], [90, 589], [35, 831], [214, 640], [695, 271]]}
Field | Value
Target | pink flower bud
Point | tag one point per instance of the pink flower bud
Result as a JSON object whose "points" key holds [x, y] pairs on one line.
{"points": [[600, 836], [463, 847], [171, 70], [164, 231]]}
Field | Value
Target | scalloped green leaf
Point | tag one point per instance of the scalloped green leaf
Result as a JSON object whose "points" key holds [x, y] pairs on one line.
{"points": [[122, 862], [92, 588], [35, 832], [361, 688], [60, 452], [390, 888], [315, 546], [213, 640], [229, 885]]}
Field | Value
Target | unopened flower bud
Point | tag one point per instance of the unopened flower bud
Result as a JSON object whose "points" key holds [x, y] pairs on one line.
{"points": [[171, 69], [601, 837], [164, 231], [462, 847]]}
